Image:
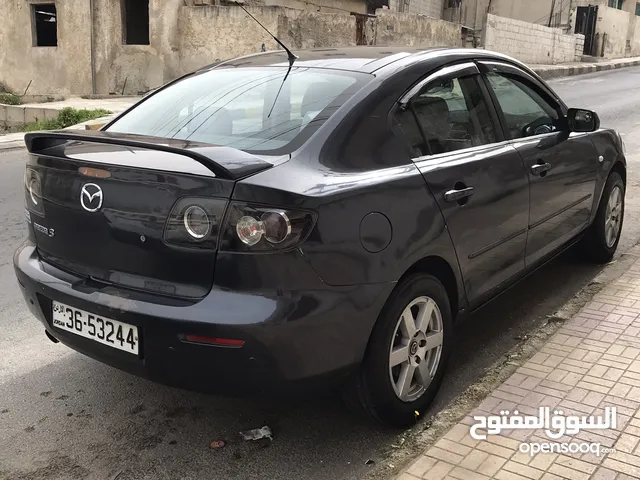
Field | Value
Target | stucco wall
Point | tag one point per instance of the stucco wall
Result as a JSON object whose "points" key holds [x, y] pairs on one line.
{"points": [[530, 42], [615, 23], [401, 29], [63, 69]]}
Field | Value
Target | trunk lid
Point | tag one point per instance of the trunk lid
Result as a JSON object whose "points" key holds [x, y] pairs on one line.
{"points": [[111, 208]]}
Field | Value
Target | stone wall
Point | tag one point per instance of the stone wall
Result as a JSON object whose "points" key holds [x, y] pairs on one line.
{"points": [[400, 29], [579, 47], [320, 6], [236, 34], [530, 42]]}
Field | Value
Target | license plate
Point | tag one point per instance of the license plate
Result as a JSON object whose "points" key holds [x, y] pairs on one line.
{"points": [[100, 329]]}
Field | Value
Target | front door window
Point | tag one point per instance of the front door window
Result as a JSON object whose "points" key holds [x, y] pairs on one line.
{"points": [[526, 113], [446, 116]]}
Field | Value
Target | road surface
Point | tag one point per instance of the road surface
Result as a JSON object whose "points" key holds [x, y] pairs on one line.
{"points": [[63, 415]]}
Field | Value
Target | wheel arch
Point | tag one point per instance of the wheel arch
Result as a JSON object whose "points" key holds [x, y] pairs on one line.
{"points": [[619, 168], [444, 272]]}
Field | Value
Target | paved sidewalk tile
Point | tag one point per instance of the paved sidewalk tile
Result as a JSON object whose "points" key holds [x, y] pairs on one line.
{"points": [[591, 363]]}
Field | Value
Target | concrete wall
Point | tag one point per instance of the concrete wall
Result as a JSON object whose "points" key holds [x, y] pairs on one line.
{"points": [[400, 29], [181, 38], [131, 69], [537, 11], [472, 13], [529, 42], [615, 23], [320, 6], [63, 69], [635, 38], [430, 8], [236, 34]]}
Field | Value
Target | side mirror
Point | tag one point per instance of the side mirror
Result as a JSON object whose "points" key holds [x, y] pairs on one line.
{"points": [[581, 120]]}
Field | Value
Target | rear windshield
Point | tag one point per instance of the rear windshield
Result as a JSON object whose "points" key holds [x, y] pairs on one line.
{"points": [[252, 109]]}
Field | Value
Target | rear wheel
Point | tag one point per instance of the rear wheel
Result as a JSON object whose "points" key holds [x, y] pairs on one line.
{"points": [[407, 352], [602, 238]]}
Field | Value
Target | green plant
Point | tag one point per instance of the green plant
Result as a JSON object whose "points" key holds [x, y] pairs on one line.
{"points": [[7, 98], [66, 117]]}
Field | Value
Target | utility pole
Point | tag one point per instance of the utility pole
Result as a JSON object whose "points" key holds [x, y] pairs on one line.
{"points": [[553, 7]]}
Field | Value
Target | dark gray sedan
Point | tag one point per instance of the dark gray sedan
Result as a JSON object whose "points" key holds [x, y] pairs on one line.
{"points": [[277, 221]]}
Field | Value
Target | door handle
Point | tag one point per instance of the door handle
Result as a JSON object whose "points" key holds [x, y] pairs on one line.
{"points": [[457, 195], [540, 168]]}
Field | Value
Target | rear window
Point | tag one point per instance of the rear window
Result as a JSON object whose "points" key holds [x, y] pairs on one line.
{"points": [[252, 109]]}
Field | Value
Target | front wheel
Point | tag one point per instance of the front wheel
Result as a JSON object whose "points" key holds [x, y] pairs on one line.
{"points": [[602, 238], [406, 355]]}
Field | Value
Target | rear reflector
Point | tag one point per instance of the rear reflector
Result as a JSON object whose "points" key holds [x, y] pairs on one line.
{"points": [[222, 342]]}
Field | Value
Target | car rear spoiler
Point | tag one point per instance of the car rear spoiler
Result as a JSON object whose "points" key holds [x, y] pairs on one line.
{"points": [[224, 162]]}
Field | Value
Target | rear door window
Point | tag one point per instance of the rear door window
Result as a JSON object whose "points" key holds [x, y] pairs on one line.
{"points": [[267, 109], [447, 115]]}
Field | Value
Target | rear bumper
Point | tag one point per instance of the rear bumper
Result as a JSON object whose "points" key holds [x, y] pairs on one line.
{"points": [[290, 337]]}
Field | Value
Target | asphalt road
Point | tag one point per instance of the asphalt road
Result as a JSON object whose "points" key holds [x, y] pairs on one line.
{"points": [[63, 415]]}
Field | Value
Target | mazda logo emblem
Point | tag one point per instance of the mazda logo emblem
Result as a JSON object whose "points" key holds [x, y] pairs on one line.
{"points": [[91, 197]]}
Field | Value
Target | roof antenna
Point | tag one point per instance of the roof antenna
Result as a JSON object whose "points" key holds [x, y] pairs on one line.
{"points": [[292, 58]]}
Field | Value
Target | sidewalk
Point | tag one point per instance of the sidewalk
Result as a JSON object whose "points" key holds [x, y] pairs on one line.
{"points": [[591, 363], [578, 68], [31, 111]]}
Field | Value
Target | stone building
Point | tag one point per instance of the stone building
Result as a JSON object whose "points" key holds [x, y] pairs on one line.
{"points": [[80, 47], [615, 30]]}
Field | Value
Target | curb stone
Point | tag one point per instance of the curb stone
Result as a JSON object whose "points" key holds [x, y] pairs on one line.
{"points": [[88, 125], [555, 72]]}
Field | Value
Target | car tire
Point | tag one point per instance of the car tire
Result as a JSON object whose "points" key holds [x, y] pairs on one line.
{"points": [[376, 389], [602, 238]]}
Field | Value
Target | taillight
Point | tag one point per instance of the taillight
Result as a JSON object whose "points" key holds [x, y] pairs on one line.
{"points": [[251, 228], [33, 191], [195, 222]]}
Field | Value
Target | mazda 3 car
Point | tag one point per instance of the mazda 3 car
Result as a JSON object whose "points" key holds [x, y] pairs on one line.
{"points": [[321, 218]]}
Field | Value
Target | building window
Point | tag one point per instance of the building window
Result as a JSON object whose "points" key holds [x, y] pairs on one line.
{"points": [[638, 9], [45, 24], [616, 4], [135, 22]]}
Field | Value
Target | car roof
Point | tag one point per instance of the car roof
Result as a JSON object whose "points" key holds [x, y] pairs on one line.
{"points": [[365, 59]]}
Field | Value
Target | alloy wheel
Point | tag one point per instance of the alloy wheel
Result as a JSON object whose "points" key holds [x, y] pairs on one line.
{"points": [[613, 217], [416, 348]]}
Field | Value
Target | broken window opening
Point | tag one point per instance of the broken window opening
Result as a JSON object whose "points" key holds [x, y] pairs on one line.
{"points": [[45, 25], [135, 22]]}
